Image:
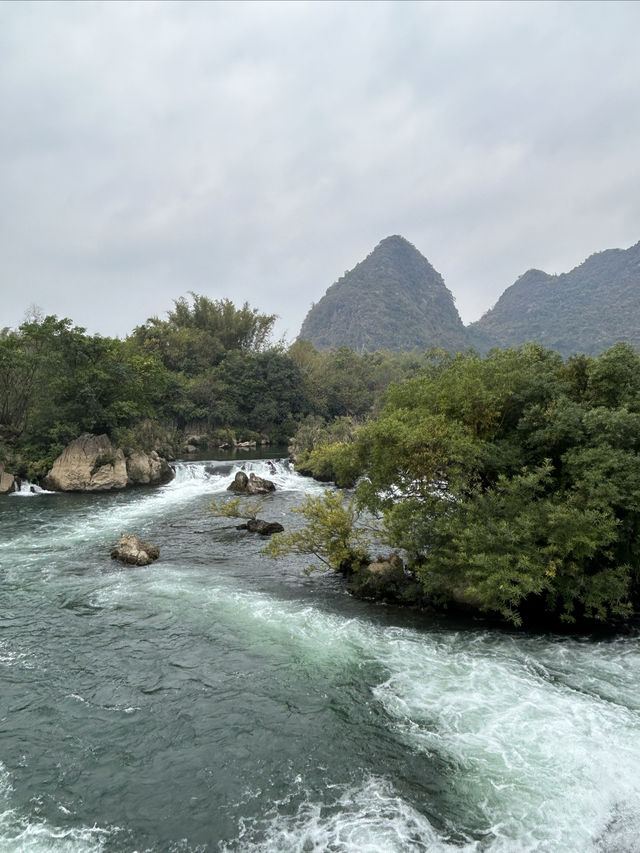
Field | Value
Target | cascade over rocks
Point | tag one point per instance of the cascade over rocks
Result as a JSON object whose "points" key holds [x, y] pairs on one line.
{"points": [[251, 485], [91, 463], [134, 551]]}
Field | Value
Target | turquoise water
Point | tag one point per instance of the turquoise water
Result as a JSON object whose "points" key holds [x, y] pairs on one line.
{"points": [[218, 700]]}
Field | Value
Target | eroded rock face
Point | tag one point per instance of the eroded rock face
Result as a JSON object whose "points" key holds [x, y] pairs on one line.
{"points": [[251, 485], [88, 464], [92, 464], [135, 551], [147, 469], [7, 481]]}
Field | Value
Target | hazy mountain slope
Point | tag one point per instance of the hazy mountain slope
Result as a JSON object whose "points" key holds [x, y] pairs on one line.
{"points": [[585, 310], [394, 299]]}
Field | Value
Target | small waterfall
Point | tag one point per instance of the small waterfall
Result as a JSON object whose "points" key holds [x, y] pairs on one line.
{"points": [[27, 489], [217, 476]]}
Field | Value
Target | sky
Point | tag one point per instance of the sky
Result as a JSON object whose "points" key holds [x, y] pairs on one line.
{"points": [[256, 151]]}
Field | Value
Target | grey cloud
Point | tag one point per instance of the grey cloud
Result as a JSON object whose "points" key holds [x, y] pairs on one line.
{"points": [[256, 150]]}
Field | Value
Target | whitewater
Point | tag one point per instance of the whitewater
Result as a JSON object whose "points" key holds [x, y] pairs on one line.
{"points": [[222, 701]]}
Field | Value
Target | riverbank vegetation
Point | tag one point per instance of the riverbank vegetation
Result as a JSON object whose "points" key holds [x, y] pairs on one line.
{"points": [[209, 369], [508, 483]]}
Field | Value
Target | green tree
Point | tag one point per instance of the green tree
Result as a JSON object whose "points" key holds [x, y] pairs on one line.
{"points": [[512, 483]]}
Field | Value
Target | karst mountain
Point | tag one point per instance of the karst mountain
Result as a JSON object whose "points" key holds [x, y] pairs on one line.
{"points": [[586, 310], [394, 299]]}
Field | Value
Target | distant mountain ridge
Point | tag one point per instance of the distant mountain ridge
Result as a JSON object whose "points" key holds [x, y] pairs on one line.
{"points": [[585, 310], [394, 299]]}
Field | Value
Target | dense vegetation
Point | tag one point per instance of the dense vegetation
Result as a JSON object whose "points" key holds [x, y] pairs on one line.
{"points": [[510, 483], [208, 369], [393, 300]]}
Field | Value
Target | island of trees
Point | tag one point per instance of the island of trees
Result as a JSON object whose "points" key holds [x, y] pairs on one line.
{"points": [[507, 483]]}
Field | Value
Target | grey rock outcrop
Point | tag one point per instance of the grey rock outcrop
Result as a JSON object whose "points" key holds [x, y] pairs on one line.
{"points": [[91, 463], [8, 481], [88, 464], [147, 469], [135, 551], [251, 485]]}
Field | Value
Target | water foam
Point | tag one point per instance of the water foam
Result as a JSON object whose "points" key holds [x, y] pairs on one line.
{"points": [[193, 480], [371, 818], [538, 765], [29, 490], [540, 754], [19, 835]]}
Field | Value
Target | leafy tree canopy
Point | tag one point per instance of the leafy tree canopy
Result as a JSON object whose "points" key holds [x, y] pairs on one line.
{"points": [[512, 483]]}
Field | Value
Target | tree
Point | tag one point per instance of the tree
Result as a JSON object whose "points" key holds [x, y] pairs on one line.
{"points": [[332, 533], [512, 482]]}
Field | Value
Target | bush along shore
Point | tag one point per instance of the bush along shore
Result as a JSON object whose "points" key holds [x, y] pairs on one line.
{"points": [[509, 484]]}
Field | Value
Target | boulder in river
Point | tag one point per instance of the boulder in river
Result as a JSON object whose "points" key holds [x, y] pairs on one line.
{"points": [[259, 525], [386, 580], [147, 469], [88, 464], [135, 551], [251, 485]]}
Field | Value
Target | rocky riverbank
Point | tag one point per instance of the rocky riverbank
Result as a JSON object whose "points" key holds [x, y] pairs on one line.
{"points": [[91, 463]]}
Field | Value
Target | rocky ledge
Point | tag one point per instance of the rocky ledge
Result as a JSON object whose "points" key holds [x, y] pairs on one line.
{"points": [[92, 464]]}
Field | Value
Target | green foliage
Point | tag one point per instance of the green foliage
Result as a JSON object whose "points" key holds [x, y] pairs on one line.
{"points": [[332, 533], [101, 461], [236, 507], [512, 482], [197, 336]]}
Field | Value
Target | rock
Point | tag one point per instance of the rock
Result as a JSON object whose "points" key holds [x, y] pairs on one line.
{"points": [[147, 469], [240, 483], [134, 551], [190, 448], [92, 464], [259, 525], [219, 468], [8, 482], [251, 485], [386, 580], [88, 464]]}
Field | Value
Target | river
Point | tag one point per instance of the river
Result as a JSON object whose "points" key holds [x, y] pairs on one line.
{"points": [[221, 701]]}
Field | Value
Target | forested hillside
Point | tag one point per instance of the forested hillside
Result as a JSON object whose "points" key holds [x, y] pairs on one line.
{"points": [[393, 300], [586, 310]]}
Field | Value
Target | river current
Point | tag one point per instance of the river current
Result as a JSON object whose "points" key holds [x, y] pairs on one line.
{"points": [[221, 701]]}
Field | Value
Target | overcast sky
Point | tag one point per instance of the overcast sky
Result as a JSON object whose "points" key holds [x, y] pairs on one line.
{"points": [[255, 151]]}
